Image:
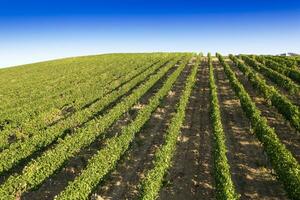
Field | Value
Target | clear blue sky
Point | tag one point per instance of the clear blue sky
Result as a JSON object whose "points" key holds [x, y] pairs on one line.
{"points": [[34, 30]]}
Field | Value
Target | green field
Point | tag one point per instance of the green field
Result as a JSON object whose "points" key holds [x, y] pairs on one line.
{"points": [[151, 126]]}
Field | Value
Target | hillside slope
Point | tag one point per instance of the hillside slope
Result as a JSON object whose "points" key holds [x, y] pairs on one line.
{"points": [[151, 126]]}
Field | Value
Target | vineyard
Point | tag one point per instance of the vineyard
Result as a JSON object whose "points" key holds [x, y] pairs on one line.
{"points": [[151, 126]]}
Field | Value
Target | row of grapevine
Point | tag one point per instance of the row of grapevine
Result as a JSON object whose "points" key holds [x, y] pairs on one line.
{"points": [[274, 76], [291, 63], [294, 74], [48, 83], [297, 58], [58, 88], [151, 184], [106, 96], [106, 159], [285, 165], [27, 120], [283, 104], [11, 156], [44, 166], [224, 185]]}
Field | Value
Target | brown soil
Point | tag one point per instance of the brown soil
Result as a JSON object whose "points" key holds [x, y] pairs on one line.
{"points": [[56, 183], [286, 133], [251, 172], [191, 176], [123, 182]]}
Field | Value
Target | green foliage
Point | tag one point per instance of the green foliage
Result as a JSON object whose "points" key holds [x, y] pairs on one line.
{"points": [[99, 165], [224, 185], [283, 104], [12, 155], [276, 77], [38, 89], [293, 73], [105, 94], [284, 60], [44, 166], [67, 104], [283, 162], [152, 183]]}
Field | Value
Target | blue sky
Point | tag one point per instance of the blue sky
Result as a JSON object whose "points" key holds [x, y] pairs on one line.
{"points": [[32, 31]]}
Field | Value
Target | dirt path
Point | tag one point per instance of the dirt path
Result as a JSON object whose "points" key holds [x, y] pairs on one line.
{"points": [[286, 133], [191, 177], [251, 173], [123, 182], [56, 183]]}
